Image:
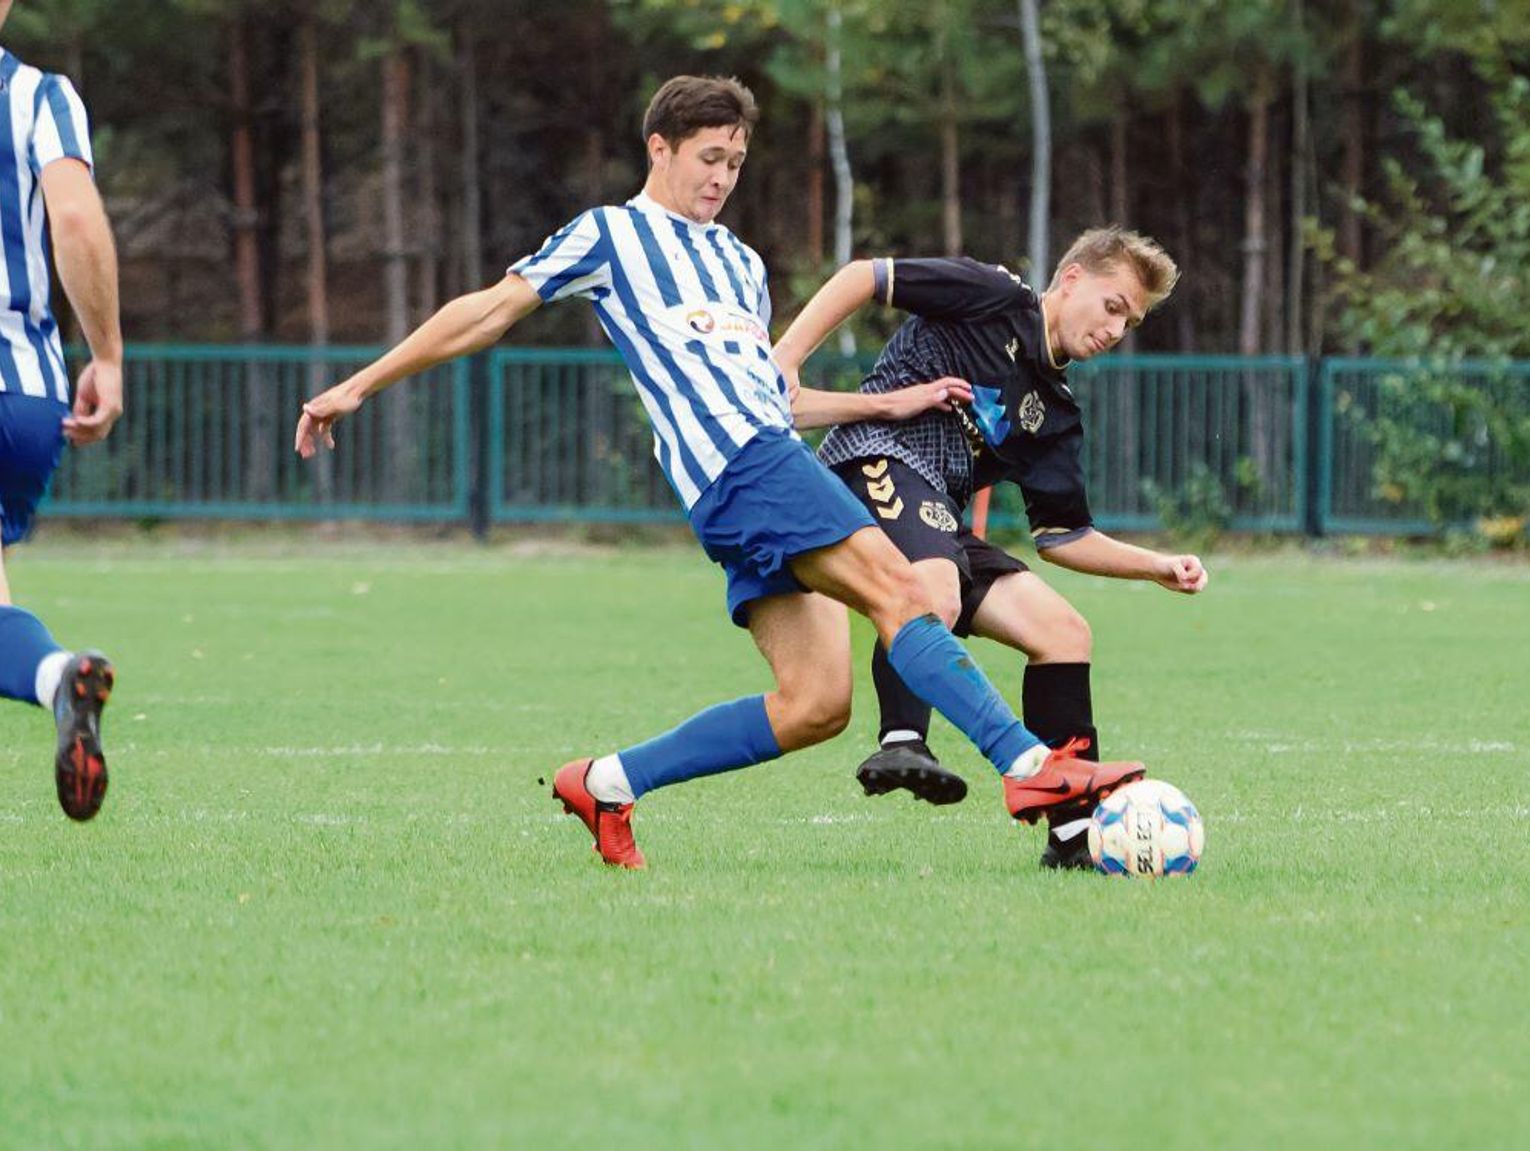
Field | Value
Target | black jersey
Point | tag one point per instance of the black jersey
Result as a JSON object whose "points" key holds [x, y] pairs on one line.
{"points": [[983, 324]]}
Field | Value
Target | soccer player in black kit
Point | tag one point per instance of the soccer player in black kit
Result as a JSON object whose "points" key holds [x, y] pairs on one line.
{"points": [[983, 325]]}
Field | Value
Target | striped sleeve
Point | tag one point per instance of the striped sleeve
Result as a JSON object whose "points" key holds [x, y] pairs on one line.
{"points": [[762, 305], [573, 261], [59, 127]]}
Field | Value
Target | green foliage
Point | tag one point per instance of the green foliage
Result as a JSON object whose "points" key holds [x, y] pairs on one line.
{"points": [[1451, 282], [1454, 447], [1453, 275], [1198, 511]]}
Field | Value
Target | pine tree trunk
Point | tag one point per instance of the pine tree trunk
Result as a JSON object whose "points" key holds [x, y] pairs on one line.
{"points": [[950, 155], [1257, 401], [1301, 160], [839, 152], [313, 215], [1352, 131], [428, 209], [1041, 145], [259, 420], [472, 183], [398, 467], [1253, 215], [1184, 183], [1120, 207], [815, 188]]}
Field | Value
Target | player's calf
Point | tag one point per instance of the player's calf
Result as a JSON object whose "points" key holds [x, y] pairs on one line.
{"points": [[80, 764]]}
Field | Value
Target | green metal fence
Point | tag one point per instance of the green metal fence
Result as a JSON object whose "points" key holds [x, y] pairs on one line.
{"points": [[208, 433], [1406, 446], [569, 439], [526, 434]]}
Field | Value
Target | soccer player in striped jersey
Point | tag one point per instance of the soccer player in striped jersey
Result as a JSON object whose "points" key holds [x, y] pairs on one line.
{"points": [[685, 301], [45, 148], [983, 324]]}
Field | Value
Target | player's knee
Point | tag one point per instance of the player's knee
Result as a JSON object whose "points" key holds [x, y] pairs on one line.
{"points": [[948, 607], [816, 716], [1067, 638], [907, 597]]}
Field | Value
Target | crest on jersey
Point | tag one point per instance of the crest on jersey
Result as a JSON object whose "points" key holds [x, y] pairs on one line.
{"points": [[938, 516], [1033, 413]]}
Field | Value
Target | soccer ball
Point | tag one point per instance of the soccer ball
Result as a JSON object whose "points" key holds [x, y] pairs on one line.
{"points": [[1145, 830]]}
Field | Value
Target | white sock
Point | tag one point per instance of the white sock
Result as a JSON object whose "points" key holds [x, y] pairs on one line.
{"points": [[901, 735], [1066, 831], [49, 672], [1028, 763], [607, 780]]}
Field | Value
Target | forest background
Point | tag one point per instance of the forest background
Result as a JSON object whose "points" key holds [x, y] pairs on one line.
{"points": [[1345, 176]]}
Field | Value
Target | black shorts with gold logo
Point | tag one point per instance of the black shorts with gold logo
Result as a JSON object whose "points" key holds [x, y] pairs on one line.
{"points": [[925, 524]]}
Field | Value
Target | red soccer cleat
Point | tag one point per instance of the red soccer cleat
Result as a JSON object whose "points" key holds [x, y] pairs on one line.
{"points": [[79, 765], [609, 823], [1065, 780]]}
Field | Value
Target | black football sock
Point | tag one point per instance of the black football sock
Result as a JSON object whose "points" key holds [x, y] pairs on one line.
{"points": [[1056, 704], [902, 710]]}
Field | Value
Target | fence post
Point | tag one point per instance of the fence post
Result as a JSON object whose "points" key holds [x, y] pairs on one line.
{"points": [[1316, 483], [478, 497]]}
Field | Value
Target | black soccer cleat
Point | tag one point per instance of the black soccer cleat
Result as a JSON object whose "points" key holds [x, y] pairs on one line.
{"points": [[910, 765], [80, 765], [1067, 854]]}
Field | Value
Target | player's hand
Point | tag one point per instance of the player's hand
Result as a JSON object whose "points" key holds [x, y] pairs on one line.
{"points": [[317, 423], [97, 403], [1184, 574], [916, 399], [793, 384]]}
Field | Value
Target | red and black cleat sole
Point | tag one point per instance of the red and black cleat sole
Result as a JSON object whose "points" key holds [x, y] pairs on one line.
{"points": [[80, 764]]}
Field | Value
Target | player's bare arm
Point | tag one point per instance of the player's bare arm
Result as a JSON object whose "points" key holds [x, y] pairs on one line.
{"points": [[815, 408], [86, 259], [465, 325], [1096, 553], [845, 292]]}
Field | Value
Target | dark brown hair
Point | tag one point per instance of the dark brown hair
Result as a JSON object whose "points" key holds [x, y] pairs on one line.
{"points": [[687, 104]]}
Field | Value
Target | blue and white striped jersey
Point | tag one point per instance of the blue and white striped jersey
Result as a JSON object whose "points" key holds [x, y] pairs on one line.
{"points": [[686, 305], [41, 120]]}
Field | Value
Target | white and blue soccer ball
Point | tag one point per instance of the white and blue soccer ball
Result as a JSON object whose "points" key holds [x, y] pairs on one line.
{"points": [[1146, 830]]}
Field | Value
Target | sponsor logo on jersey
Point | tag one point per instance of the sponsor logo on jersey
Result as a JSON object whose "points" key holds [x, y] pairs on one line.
{"points": [[1033, 413], [1013, 347], [938, 516], [727, 324]]}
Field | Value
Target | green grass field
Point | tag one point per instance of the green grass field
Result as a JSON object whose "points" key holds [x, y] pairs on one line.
{"points": [[327, 904]]}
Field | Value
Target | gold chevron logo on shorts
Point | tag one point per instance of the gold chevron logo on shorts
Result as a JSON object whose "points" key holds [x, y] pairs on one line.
{"points": [[879, 486]]}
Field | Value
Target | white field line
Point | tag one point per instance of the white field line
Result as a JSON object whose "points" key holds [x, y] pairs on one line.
{"points": [[1278, 743]]}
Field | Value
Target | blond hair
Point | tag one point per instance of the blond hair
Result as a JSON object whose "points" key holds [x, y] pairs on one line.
{"points": [[1102, 250]]}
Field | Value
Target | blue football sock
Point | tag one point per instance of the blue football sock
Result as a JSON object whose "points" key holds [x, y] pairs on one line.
{"points": [[24, 642], [939, 671], [722, 738]]}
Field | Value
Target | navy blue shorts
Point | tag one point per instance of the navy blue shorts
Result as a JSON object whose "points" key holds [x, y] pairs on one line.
{"points": [[773, 501], [31, 442]]}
